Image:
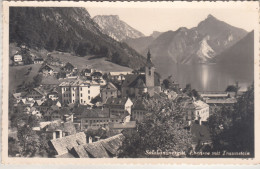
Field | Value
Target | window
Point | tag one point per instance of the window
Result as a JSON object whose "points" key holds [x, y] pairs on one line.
{"points": [[73, 94], [89, 97], [81, 95], [86, 121], [81, 89], [88, 91], [106, 92], [88, 86], [94, 121], [97, 120], [81, 100], [111, 93]]}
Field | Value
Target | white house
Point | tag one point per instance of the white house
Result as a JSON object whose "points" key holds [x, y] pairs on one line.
{"points": [[119, 75], [201, 110], [81, 92]]}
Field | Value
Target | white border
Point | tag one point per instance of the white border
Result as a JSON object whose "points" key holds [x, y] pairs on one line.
{"points": [[252, 6]]}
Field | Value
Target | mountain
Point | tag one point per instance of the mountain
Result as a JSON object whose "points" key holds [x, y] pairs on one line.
{"points": [[140, 44], [200, 44], [116, 28], [68, 30], [242, 53]]}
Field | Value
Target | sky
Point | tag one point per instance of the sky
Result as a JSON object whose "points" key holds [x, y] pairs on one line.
{"points": [[147, 20]]}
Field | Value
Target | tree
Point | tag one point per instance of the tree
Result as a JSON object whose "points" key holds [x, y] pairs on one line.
{"points": [[161, 130], [235, 126], [29, 141]]}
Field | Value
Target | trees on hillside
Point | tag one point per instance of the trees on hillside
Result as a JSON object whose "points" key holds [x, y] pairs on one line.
{"points": [[233, 129], [161, 130]]}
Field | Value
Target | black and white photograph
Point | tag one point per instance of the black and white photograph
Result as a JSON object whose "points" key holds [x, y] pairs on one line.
{"points": [[126, 81]]}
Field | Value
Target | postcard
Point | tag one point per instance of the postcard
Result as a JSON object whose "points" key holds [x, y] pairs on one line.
{"points": [[130, 82]]}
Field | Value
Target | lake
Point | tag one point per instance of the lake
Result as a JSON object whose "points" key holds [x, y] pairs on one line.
{"points": [[211, 77]]}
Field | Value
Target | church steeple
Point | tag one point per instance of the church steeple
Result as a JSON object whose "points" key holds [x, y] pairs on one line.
{"points": [[149, 74], [149, 62]]}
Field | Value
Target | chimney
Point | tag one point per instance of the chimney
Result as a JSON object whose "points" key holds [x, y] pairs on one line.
{"points": [[90, 139]]}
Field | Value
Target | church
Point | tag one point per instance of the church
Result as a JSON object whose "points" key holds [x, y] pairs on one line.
{"points": [[137, 84]]}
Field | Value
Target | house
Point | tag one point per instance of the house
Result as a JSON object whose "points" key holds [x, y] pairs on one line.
{"points": [[28, 102], [119, 105], [110, 90], [68, 67], [48, 70], [38, 61], [78, 91], [75, 146], [36, 94], [106, 148], [117, 128], [216, 100], [195, 110], [18, 59], [53, 95], [87, 72], [139, 110], [96, 76], [119, 76], [135, 85], [63, 145]]}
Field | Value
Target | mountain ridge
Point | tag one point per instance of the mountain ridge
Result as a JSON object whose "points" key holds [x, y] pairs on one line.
{"points": [[69, 30], [116, 28]]}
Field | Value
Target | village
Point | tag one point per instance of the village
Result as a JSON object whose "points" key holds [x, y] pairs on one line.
{"points": [[76, 107]]}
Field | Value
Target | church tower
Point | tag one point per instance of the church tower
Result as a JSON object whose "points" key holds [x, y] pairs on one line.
{"points": [[149, 74]]}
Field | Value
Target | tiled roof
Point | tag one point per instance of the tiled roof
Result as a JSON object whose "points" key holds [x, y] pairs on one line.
{"points": [[96, 74], [221, 101], [200, 104], [100, 148], [65, 144], [126, 125], [116, 101], [109, 86], [131, 80], [83, 111], [96, 150]]}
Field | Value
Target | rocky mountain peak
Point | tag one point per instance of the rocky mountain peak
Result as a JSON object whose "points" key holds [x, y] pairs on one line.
{"points": [[116, 28]]}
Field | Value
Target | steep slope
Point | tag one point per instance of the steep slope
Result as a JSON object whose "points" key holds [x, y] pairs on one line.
{"points": [[240, 53], [69, 30], [116, 28], [140, 44]]}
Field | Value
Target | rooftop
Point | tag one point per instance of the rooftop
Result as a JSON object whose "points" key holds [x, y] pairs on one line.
{"points": [[100, 148], [65, 144]]}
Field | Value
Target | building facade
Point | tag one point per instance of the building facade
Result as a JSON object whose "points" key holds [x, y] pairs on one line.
{"points": [[79, 92], [108, 91]]}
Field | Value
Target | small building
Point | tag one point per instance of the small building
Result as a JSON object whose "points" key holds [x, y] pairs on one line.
{"points": [[118, 76], [38, 61], [139, 110], [18, 59], [195, 110], [36, 94], [68, 67], [48, 70], [96, 76], [110, 90], [119, 105], [63, 145]]}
